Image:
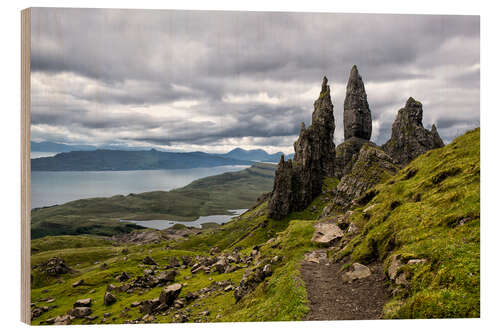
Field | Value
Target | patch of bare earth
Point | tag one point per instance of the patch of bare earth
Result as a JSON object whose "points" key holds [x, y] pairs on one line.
{"points": [[332, 299]]}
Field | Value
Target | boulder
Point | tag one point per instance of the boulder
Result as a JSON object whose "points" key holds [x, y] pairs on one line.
{"points": [[55, 266], [148, 261], [80, 312], [220, 265], [123, 277], [326, 233], [168, 276], [358, 271], [109, 298], [297, 183], [409, 138], [86, 302], [357, 115], [38, 311], [60, 320], [170, 293], [316, 257], [77, 283]]}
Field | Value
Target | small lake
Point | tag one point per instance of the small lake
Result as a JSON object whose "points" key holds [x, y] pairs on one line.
{"points": [[56, 187], [164, 224]]}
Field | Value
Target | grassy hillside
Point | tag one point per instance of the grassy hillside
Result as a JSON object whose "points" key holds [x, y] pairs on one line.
{"points": [[206, 196], [431, 211]]}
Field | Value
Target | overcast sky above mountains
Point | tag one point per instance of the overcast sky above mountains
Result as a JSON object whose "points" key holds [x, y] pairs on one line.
{"points": [[213, 81]]}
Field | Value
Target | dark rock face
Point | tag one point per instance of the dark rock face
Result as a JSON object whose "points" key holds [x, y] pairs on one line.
{"points": [[282, 198], [372, 166], [346, 155], [409, 138], [357, 115], [297, 183]]}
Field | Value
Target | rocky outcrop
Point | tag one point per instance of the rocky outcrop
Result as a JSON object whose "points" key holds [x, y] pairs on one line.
{"points": [[297, 183], [357, 115], [357, 124], [372, 166], [409, 138], [54, 266], [346, 155]]}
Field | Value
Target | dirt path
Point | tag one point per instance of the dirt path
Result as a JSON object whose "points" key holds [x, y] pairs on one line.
{"points": [[332, 299]]}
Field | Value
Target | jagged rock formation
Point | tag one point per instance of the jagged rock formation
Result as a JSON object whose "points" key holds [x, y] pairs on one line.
{"points": [[372, 166], [357, 124], [357, 115], [297, 183], [409, 138]]}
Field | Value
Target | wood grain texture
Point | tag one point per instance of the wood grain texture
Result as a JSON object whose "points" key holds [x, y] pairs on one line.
{"points": [[25, 164]]}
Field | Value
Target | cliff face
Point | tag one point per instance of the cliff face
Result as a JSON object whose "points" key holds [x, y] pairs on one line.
{"points": [[313, 161], [409, 138]]}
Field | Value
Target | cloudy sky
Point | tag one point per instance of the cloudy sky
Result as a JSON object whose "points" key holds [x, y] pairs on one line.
{"points": [[213, 81]]}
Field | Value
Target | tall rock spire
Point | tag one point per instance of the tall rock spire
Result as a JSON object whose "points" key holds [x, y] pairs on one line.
{"points": [[297, 183], [409, 138], [357, 115]]}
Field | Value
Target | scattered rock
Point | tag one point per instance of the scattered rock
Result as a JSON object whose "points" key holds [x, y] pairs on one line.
{"points": [[55, 266], [109, 298], [416, 261], [316, 257], [170, 293], [123, 277], [326, 233], [86, 302], [168, 276], [38, 311], [148, 261], [80, 312], [135, 304], [359, 271], [78, 283]]}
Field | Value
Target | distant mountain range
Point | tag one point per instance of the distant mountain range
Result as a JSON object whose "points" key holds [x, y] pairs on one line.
{"points": [[90, 158], [253, 155], [53, 147]]}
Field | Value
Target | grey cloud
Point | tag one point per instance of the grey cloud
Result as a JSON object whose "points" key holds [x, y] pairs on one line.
{"points": [[151, 58]]}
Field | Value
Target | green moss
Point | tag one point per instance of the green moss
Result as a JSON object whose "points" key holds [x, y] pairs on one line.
{"points": [[442, 227]]}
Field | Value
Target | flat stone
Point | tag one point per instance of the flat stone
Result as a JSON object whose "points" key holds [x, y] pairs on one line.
{"points": [[359, 271], [326, 233], [86, 302]]}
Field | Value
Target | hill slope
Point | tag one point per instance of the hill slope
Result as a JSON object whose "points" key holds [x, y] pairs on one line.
{"points": [[101, 160]]}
